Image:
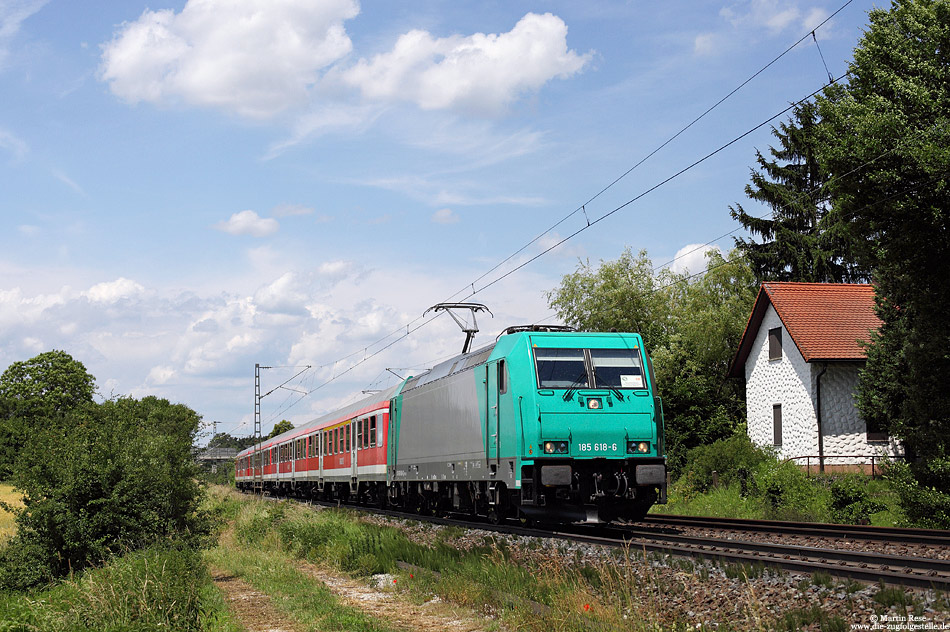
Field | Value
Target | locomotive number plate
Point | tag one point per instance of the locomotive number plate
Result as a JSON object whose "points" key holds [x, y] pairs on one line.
{"points": [[597, 447]]}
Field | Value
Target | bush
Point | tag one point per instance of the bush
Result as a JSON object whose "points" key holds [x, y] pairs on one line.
{"points": [[923, 491], [733, 459], [851, 501], [110, 478], [789, 494]]}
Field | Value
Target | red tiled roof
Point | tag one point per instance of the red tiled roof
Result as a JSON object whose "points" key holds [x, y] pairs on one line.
{"points": [[827, 321]]}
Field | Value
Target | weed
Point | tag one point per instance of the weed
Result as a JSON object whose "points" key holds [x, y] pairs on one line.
{"points": [[821, 578], [889, 596], [805, 617]]}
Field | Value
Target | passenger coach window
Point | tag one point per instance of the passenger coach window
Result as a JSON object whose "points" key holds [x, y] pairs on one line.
{"points": [[617, 368], [348, 431], [561, 368], [372, 431]]}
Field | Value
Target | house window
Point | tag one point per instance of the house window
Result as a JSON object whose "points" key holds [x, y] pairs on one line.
{"points": [[777, 425], [876, 431], [775, 343]]}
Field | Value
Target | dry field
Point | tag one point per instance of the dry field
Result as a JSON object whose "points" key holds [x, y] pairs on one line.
{"points": [[7, 495]]}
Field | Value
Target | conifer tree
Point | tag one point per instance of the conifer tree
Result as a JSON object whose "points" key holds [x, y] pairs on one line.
{"points": [[798, 243]]}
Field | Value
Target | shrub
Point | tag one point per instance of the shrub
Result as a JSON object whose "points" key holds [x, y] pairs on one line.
{"points": [[923, 490], [851, 501], [732, 458], [110, 478], [788, 493]]}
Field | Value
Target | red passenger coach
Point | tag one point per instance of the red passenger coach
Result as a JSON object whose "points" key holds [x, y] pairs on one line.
{"points": [[340, 455]]}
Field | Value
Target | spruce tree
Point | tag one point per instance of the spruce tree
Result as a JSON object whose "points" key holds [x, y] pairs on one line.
{"points": [[797, 242]]}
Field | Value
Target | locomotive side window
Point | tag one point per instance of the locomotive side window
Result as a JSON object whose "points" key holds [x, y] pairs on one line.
{"points": [[561, 368], [617, 368], [372, 431], [502, 374]]}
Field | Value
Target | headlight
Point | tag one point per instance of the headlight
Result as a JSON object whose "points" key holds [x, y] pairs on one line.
{"points": [[638, 447], [594, 404], [555, 447], [549, 447]]}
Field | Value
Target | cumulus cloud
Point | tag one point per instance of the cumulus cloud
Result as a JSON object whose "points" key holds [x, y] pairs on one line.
{"points": [[445, 216], [113, 291], [482, 72], [692, 259], [255, 58], [248, 223]]}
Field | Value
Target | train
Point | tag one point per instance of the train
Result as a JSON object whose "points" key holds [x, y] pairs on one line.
{"points": [[544, 425]]}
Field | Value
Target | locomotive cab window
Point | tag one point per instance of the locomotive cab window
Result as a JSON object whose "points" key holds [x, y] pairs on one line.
{"points": [[561, 368], [617, 368]]}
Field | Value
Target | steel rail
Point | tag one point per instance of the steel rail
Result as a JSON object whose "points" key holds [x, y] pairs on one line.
{"points": [[935, 537], [905, 571]]}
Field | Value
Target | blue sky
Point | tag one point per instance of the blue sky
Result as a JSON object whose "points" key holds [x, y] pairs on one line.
{"points": [[190, 188]]}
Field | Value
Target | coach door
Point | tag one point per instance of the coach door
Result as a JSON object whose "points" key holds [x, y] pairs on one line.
{"points": [[351, 443], [493, 422]]}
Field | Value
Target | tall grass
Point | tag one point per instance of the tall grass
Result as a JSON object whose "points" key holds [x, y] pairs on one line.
{"points": [[484, 578], [164, 587]]}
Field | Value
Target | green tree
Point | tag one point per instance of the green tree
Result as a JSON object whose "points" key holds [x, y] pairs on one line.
{"points": [[225, 440], [701, 403], [38, 392], [113, 477], [280, 427], [797, 242], [888, 133], [675, 315], [623, 295]]}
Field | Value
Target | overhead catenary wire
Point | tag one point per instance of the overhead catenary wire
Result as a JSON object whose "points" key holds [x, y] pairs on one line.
{"points": [[409, 329]]}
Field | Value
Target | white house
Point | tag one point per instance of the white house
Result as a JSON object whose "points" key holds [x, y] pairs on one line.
{"points": [[800, 356]]}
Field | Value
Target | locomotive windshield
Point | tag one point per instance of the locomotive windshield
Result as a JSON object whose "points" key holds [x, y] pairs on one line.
{"points": [[561, 368], [579, 368], [617, 368]]}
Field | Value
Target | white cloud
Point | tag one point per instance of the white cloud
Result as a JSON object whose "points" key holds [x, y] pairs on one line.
{"points": [[707, 44], [12, 15], [113, 291], [482, 72], [248, 223], [692, 258], [774, 15], [747, 18], [445, 216], [13, 145], [286, 295], [160, 374], [255, 58]]}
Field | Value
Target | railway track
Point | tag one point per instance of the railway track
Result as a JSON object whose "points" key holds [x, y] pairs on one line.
{"points": [[932, 537], [661, 534]]}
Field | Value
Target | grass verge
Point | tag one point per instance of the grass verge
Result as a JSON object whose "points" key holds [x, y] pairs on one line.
{"points": [[164, 587]]}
